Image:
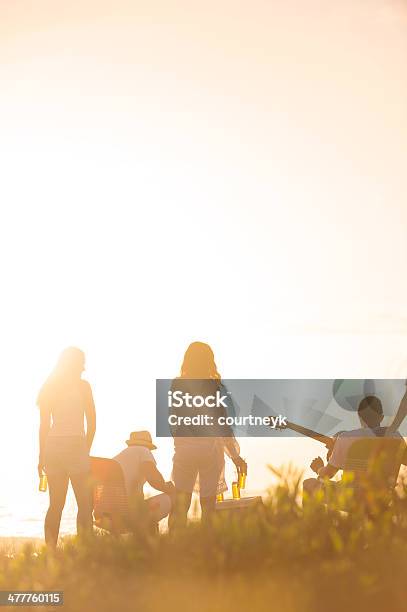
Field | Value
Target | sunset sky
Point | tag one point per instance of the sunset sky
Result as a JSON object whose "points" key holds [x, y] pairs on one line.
{"points": [[231, 172]]}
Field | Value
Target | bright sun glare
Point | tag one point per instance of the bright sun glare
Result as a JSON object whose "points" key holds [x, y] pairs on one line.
{"points": [[153, 197]]}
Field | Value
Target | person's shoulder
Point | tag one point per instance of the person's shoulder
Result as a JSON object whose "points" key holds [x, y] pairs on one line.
{"points": [[140, 451], [352, 433], [85, 385], [143, 454], [121, 454], [383, 432], [43, 397], [86, 389], [397, 435], [47, 394], [177, 383], [146, 453]]}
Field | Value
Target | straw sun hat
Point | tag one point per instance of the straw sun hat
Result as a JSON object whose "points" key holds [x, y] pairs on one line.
{"points": [[141, 438]]}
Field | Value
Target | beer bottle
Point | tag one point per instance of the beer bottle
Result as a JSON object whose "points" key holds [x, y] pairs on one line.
{"points": [[43, 483], [235, 490], [242, 478]]}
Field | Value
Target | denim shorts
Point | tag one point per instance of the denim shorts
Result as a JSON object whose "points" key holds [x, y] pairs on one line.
{"points": [[201, 459], [66, 455]]}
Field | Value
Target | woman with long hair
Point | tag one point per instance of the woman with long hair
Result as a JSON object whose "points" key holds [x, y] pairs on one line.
{"points": [[199, 451], [65, 400]]}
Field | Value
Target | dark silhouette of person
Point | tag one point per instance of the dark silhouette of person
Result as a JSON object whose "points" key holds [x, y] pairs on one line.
{"points": [[199, 450], [65, 401], [370, 412]]}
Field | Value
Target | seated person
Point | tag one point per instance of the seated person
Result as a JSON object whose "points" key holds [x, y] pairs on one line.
{"points": [[370, 412], [139, 466]]}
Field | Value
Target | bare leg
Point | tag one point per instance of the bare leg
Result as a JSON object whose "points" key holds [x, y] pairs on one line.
{"points": [[58, 487], [208, 505], [81, 487], [178, 514]]}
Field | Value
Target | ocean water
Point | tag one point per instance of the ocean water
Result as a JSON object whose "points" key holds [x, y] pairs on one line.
{"points": [[23, 506], [23, 515]]}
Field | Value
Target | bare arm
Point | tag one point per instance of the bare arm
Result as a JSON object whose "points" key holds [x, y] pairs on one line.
{"points": [[155, 478], [400, 416], [328, 471], [45, 424], [232, 448], [230, 444], [90, 413], [323, 471]]}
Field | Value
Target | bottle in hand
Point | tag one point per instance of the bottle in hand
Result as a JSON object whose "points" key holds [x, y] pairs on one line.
{"points": [[242, 475], [242, 480], [235, 490], [43, 483]]}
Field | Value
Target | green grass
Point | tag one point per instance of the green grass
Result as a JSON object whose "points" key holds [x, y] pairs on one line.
{"points": [[280, 557]]}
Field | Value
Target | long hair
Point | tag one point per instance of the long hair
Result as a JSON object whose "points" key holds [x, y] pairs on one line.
{"points": [[199, 363], [66, 373]]}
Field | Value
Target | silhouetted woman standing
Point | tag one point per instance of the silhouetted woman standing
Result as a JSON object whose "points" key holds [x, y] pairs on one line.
{"points": [[65, 400], [199, 450]]}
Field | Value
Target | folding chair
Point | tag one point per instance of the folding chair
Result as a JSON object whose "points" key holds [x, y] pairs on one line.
{"points": [[110, 502], [372, 466]]}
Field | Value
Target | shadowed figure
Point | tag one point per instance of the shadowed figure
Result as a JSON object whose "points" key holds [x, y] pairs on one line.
{"points": [[138, 467], [65, 400], [370, 458], [199, 450]]}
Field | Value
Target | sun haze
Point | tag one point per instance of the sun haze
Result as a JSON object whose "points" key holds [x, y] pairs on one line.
{"points": [[228, 172]]}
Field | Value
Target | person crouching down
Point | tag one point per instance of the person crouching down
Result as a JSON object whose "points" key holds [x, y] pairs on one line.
{"points": [[139, 466]]}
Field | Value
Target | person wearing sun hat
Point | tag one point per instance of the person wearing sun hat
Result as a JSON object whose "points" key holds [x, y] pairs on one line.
{"points": [[139, 466], [141, 438]]}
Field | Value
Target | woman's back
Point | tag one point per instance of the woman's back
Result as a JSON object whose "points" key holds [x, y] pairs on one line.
{"points": [[65, 400], [67, 408], [186, 432]]}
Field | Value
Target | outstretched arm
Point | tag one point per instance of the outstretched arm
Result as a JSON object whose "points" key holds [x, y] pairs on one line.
{"points": [[90, 413], [230, 444], [232, 450], [323, 471], [155, 478], [400, 416], [45, 423]]}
